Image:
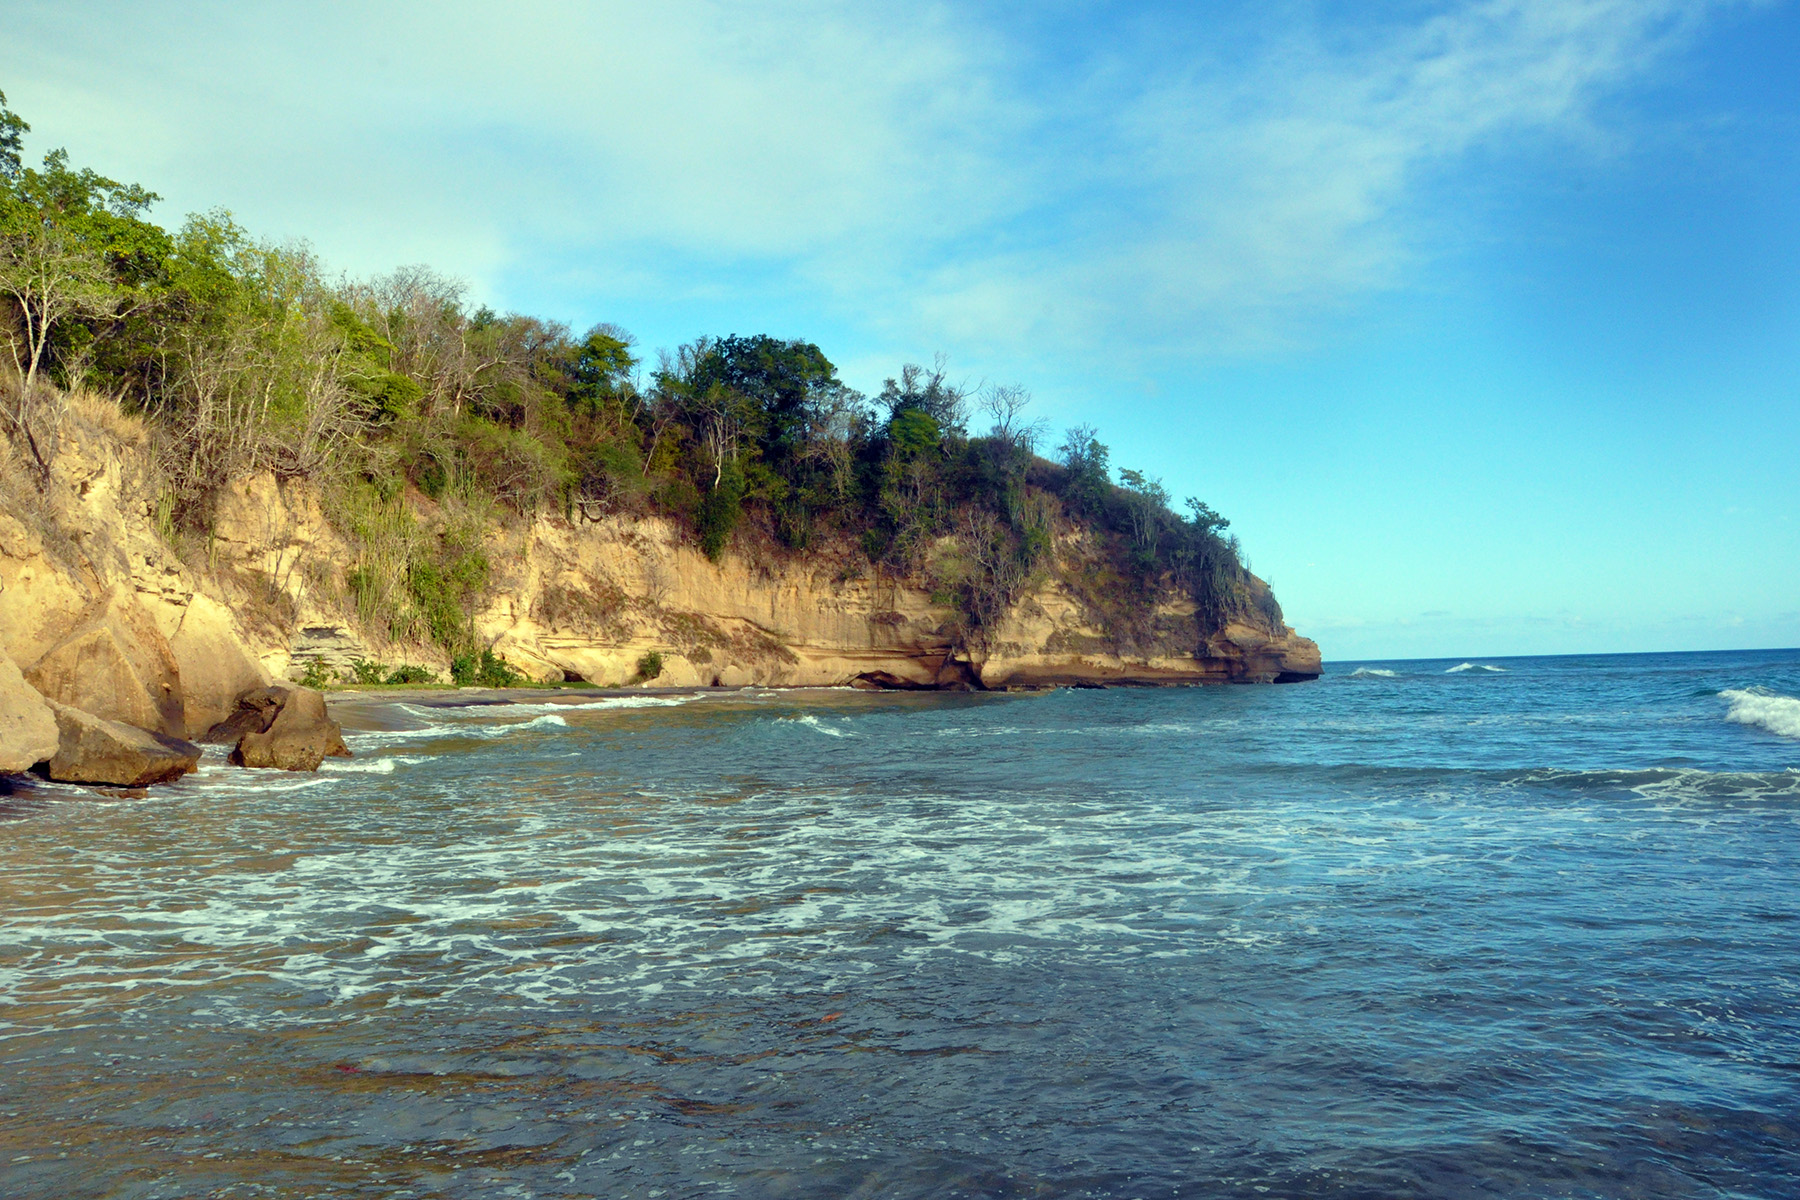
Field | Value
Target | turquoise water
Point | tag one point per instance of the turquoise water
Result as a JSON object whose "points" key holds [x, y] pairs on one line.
{"points": [[1528, 928]]}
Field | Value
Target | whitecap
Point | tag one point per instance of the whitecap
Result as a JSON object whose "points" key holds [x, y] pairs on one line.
{"points": [[369, 766], [1764, 709], [1473, 666], [1676, 784], [813, 723], [547, 721], [637, 701], [563, 706], [1376, 673], [368, 738]]}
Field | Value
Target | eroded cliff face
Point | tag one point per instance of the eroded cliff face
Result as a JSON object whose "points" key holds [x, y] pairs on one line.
{"points": [[99, 612], [95, 608], [589, 599]]}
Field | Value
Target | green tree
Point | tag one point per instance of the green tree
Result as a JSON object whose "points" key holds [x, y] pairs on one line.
{"points": [[600, 366], [1147, 509], [1089, 473], [928, 391], [12, 141], [71, 245]]}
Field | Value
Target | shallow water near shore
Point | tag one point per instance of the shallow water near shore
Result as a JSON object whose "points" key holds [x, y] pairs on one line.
{"points": [[1511, 927]]}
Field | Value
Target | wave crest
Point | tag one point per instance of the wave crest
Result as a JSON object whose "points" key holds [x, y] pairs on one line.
{"points": [[1373, 673], [1675, 784], [817, 726], [1764, 709], [1459, 668]]}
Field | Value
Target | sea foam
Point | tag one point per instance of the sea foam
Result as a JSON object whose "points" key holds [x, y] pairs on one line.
{"points": [[368, 766], [452, 729], [1459, 668], [1373, 673], [817, 726], [1764, 709]]}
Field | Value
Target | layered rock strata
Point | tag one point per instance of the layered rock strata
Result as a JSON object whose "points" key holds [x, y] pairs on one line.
{"points": [[589, 599]]}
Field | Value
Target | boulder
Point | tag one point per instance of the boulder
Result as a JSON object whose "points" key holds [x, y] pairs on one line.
{"points": [[215, 668], [27, 724], [252, 712], [116, 665], [280, 726], [887, 681], [91, 749]]}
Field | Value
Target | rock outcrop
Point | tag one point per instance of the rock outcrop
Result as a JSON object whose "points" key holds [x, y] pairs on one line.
{"points": [[96, 609], [116, 664], [91, 749], [588, 600], [283, 727], [99, 612], [27, 723], [215, 666]]}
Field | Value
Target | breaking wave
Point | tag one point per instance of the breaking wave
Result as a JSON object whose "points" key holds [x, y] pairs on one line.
{"points": [[1459, 668], [1667, 783], [369, 766], [1373, 673], [1764, 709], [817, 726], [452, 729]]}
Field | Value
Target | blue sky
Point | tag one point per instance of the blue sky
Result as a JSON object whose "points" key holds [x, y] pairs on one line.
{"points": [[1481, 321]]}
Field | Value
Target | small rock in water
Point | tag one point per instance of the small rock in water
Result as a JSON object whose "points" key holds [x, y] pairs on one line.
{"points": [[282, 726]]}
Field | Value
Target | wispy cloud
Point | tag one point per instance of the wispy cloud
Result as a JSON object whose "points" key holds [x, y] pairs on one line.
{"points": [[913, 167], [1241, 200]]}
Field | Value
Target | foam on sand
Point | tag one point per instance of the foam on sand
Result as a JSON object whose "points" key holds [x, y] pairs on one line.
{"points": [[1764, 709]]}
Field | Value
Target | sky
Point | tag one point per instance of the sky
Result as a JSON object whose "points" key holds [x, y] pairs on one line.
{"points": [[1480, 321]]}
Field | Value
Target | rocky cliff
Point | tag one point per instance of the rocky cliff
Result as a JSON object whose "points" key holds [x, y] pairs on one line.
{"points": [[100, 612], [95, 609], [587, 599]]}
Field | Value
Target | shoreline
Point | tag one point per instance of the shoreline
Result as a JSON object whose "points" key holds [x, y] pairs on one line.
{"points": [[360, 708]]}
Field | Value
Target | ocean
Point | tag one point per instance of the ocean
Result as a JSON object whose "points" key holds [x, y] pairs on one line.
{"points": [[1497, 928]]}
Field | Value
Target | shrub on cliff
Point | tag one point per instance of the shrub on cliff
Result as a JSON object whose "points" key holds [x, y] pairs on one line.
{"points": [[484, 668]]}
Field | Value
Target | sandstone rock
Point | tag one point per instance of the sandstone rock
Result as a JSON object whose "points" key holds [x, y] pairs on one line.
{"points": [[281, 726], [253, 712], [215, 667], [334, 647], [589, 597], [887, 681], [27, 724], [116, 665], [92, 749], [40, 596]]}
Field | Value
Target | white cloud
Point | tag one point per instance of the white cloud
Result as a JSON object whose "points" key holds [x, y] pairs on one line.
{"points": [[908, 165]]}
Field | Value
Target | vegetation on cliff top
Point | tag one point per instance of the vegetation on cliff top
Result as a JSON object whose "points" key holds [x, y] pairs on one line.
{"points": [[245, 357]]}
